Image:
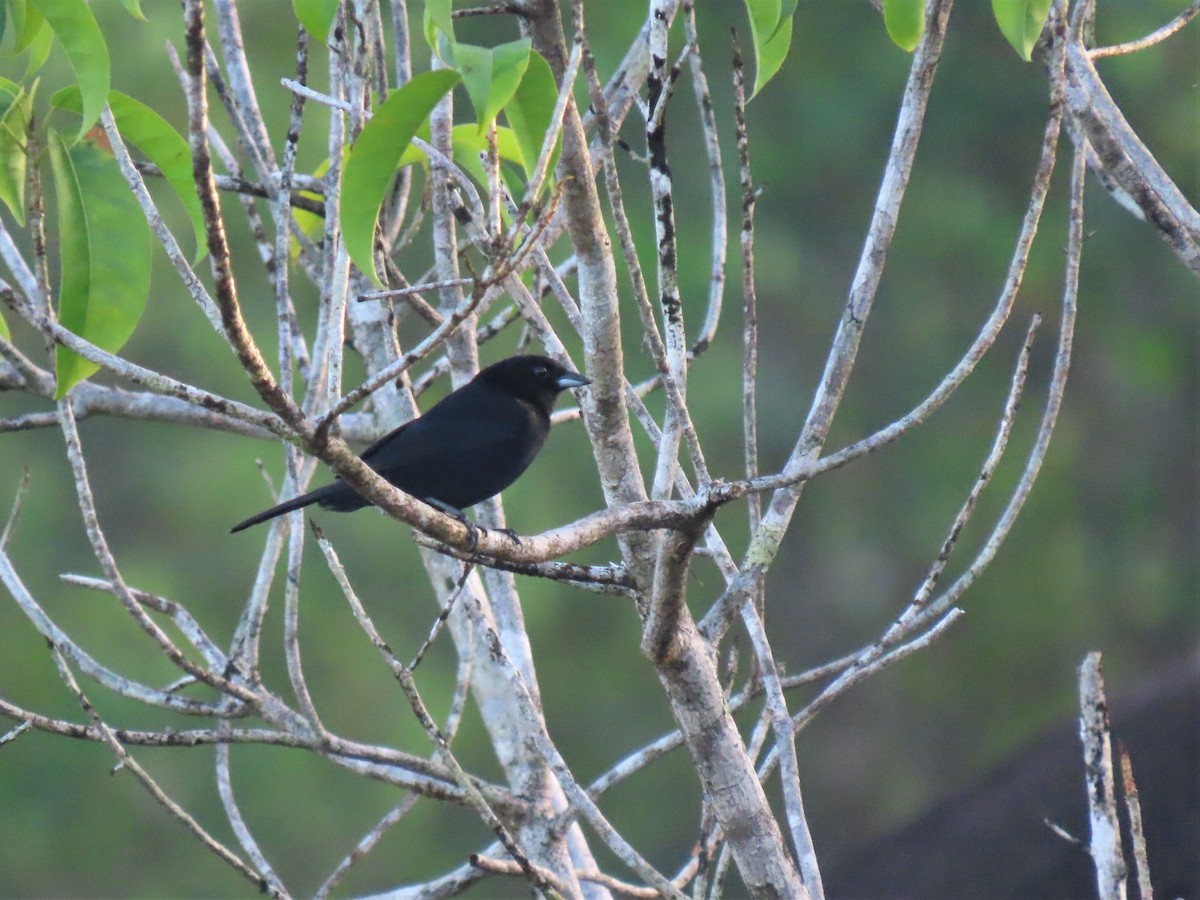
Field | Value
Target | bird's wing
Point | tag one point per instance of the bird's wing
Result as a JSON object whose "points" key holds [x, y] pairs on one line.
{"points": [[387, 438], [461, 439]]}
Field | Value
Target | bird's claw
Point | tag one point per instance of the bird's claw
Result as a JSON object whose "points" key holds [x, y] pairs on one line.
{"points": [[473, 532]]}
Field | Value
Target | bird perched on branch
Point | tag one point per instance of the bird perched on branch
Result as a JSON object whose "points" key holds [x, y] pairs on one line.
{"points": [[470, 446]]}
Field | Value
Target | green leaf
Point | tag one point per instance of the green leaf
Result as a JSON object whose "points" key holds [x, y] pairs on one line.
{"points": [[413, 154], [764, 19], [105, 249], [491, 75], [162, 145], [77, 31], [468, 144], [1021, 21], [372, 160], [134, 8], [3, 20], [17, 108], [770, 54], [438, 12], [4, 329], [27, 23], [905, 22], [39, 51], [316, 16], [530, 110]]}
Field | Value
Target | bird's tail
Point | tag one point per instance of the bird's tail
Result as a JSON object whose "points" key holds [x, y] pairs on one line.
{"points": [[285, 507]]}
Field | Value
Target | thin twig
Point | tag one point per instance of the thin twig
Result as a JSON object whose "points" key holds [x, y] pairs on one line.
{"points": [[1137, 834], [241, 83], [238, 824], [14, 514], [366, 844], [999, 444], [309, 94], [749, 291], [291, 627], [1054, 400], [415, 289], [440, 621], [13, 733], [554, 131], [127, 762], [178, 613], [226, 296], [581, 802], [716, 180], [785, 747], [160, 229], [1154, 37], [404, 678], [383, 764], [236, 184], [93, 669], [103, 554]]}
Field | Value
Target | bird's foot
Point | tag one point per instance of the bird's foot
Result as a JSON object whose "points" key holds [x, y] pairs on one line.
{"points": [[473, 530]]}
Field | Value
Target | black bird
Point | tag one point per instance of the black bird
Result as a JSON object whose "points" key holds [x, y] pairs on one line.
{"points": [[470, 446]]}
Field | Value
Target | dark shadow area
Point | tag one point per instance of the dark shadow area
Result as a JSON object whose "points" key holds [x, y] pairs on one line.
{"points": [[991, 840]]}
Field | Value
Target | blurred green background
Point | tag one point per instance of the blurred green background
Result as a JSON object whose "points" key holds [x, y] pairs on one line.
{"points": [[1104, 556]]}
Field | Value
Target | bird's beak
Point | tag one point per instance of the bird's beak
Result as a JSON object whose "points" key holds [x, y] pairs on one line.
{"points": [[571, 380]]}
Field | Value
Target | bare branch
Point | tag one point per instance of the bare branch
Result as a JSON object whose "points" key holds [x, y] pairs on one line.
{"points": [[1154, 37], [179, 614], [108, 564], [749, 292], [1058, 384], [95, 670], [158, 227], [404, 677], [716, 178], [604, 402], [440, 621], [291, 628], [238, 824], [226, 292], [1105, 845], [366, 845], [785, 748], [128, 762], [245, 103], [15, 513], [1137, 834], [611, 579], [1125, 159], [581, 802], [840, 361]]}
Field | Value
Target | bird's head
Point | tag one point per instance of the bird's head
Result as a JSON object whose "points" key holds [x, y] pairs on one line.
{"points": [[535, 379]]}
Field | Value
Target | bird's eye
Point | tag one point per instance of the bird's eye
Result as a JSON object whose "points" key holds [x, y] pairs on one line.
{"points": [[540, 371]]}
